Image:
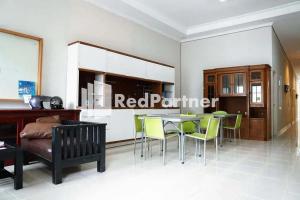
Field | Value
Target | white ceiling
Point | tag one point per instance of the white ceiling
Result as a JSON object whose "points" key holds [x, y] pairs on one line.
{"points": [[185, 20], [194, 12]]}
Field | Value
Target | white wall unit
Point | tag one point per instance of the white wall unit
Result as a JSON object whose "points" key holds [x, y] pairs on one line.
{"points": [[120, 122], [160, 73], [125, 65], [91, 58]]}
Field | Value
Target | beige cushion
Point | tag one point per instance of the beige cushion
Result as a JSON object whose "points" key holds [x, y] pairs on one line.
{"points": [[51, 119], [38, 130]]}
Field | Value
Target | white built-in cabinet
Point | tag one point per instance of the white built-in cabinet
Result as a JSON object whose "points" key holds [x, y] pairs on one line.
{"points": [[159, 72], [92, 58], [125, 65], [97, 59], [120, 122]]}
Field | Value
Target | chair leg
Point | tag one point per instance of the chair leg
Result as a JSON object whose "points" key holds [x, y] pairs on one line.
{"points": [[145, 146], [1, 165], [199, 148], [179, 149], [239, 134], [196, 148], [150, 142], [134, 144], [164, 152], [56, 175], [217, 150], [204, 153], [234, 135]]}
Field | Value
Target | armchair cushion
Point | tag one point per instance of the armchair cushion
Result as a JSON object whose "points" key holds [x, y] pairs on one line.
{"points": [[38, 130]]}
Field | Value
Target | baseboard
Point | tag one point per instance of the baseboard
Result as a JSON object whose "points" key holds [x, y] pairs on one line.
{"points": [[284, 129]]}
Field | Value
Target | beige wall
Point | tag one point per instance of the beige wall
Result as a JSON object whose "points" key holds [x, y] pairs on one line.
{"points": [[285, 108], [60, 22]]}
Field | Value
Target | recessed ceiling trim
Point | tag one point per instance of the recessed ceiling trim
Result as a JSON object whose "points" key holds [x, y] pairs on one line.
{"points": [[156, 15], [246, 18], [228, 32], [161, 24], [175, 35]]}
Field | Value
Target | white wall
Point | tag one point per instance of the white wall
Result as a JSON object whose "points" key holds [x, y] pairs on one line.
{"points": [[60, 22], [237, 49]]}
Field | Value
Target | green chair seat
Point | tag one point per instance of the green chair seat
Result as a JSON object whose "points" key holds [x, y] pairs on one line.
{"points": [[200, 136], [220, 112]]}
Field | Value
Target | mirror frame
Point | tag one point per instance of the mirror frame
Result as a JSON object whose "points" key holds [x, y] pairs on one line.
{"points": [[40, 60]]}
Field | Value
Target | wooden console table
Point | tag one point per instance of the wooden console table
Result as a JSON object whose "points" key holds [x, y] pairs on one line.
{"points": [[22, 117]]}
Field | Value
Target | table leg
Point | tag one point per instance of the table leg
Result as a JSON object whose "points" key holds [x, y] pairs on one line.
{"points": [[221, 132], [18, 178], [182, 143]]}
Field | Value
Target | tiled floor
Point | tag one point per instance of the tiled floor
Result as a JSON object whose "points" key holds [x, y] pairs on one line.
{"points": [[248, 170]]}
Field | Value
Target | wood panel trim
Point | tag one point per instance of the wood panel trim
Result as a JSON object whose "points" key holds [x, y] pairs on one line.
{"points": [[40, 58], [119, 52]]}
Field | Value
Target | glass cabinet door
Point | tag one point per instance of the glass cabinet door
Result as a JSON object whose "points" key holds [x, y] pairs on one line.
{"points": [[256, 93], [239, 84], [226, 84], [211, 78], [211, 91]]}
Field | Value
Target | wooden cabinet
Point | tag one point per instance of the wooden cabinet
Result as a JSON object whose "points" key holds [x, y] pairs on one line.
{"points": [[210, 89], [256, 88], [244, 90], [232, 84], [257, 128]]}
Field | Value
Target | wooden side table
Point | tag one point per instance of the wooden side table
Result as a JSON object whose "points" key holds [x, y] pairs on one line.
{"points": [[12, 153]]}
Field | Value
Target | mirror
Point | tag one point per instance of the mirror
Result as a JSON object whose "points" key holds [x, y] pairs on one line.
{"points": [[20, 65]]}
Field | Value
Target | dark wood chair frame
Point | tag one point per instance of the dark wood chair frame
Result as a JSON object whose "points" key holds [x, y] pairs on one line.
{"points": [[75, 143]]}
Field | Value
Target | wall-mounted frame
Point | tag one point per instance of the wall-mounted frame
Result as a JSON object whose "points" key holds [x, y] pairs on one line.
{"points": [[21, 57]]}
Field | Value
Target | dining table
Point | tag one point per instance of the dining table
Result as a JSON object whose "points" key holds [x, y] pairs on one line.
{"points": [[175, 121]]}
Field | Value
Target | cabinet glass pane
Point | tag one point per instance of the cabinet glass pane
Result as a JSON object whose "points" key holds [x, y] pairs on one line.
{"points": [[211, 78], [226, 84], [256, 93], [255, 75], [210, 91], [239, 83]]}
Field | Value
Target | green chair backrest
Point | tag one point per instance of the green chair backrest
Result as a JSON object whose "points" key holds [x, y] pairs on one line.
{"points": [[138, 123], [213, 128], [188, 127], [154, 128], [204, 120], [189, 113], [220, 112], [238, 121]]}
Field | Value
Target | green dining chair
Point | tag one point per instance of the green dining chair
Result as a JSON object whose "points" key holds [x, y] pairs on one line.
{"points": [[220, 112], [204, 119], [154, 130], [236, 127], [138, 129], [210, 134], [188, 127]]}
